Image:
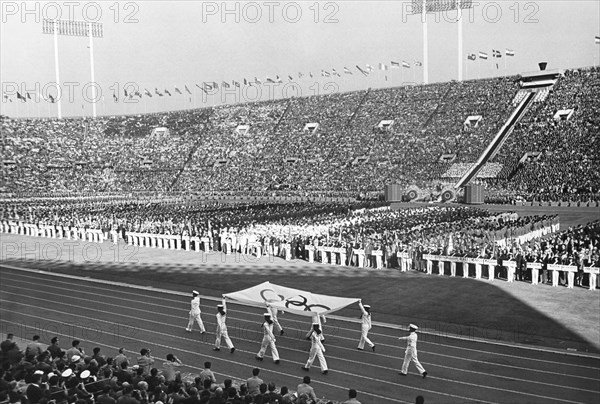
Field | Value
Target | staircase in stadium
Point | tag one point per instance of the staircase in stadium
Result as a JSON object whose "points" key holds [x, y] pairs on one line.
{"points": [[498, 141]]}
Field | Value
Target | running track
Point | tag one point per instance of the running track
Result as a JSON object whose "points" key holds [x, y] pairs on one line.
{"points": [[111, 315]]}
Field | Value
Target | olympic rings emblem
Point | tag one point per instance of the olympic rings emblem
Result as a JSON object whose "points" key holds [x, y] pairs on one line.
{"points": [[307, 307], [273, 298]]}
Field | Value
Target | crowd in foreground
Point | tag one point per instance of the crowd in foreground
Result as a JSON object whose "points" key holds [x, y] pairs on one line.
{"points": [[49, 374]]}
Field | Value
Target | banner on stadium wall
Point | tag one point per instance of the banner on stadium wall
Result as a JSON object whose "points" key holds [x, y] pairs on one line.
{"points": [[290, 300]]}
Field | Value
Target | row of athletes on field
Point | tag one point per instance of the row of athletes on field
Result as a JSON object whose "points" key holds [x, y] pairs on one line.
{"points": [[315, 335]]}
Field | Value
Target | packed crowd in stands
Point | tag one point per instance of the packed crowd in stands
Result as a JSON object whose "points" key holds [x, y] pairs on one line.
{"points": [[43, 374], [569, 166]]}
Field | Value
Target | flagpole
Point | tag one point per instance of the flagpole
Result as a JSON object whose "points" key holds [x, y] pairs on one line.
{"points": [[460, 41], [59, 95], [92, 70], [425, 52]]}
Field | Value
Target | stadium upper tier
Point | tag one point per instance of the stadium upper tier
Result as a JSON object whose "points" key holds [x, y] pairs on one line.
{"points": [[350, 142]]}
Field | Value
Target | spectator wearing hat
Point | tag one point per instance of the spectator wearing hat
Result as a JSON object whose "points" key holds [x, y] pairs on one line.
{"points": [[195, 313], [365, 327], [352, 394], [306, 388], [222, 329], [169, 367], [268, 340], [411, 352], [316, 350]]}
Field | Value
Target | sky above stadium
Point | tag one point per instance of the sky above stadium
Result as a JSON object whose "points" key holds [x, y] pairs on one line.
{"points": [[161, 46]]}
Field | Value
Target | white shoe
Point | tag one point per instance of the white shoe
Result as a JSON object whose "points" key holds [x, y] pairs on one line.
{"points": [[188, 330]]}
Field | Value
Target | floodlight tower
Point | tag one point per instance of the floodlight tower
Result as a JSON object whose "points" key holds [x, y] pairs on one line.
{"points": [[435, 6], [74, 28]]}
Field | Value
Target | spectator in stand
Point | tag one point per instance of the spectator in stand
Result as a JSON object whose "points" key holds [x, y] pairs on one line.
{"points": [[254, 382], [54, 349], [34, 348], [352, 394], [305, 388], [145, 360], [169, 368]]}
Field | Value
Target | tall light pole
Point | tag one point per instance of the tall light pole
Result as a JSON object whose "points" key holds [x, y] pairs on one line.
{"points": [[74, 28], [423, 7]]}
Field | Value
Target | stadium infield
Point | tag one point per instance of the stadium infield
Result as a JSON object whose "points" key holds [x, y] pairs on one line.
{"points": [[502, 326]]}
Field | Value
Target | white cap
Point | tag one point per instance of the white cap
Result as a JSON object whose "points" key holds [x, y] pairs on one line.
{"points": [[413, 326], [220, 306], [85, 374], [38, 372], [315, 323], [195, 292], [366, 306], [75, 358], [267, 314], [68, 372]]}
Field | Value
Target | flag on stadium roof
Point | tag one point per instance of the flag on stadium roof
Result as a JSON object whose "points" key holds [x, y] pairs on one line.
{"points": [[257, 80], [148, 93], [225, 84], [198, 86], [207, 86], [417, 63], [382, 66], [278, 79], [310, 74], [187, 89], [157, 92], [167, 92], [325, 74], [235, 83], [28, 96], [483, 55], [178, 90], [52, 100], [496, 53], [405, 64], [300, 75], [335, 73], [290, 77], [347, 71], [270, 80], [597, 39], [369, 67], [20, 97], [362, 71], [510, 52], [395, 65], [472, 56], [125, 92], [138, 94], [115, 98]]}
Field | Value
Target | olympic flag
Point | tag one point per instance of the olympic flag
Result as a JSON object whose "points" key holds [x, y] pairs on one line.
{"points": [[291, 300]]}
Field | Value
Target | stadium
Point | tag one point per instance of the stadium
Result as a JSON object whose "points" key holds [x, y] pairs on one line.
{"points": [[199, 197]]}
